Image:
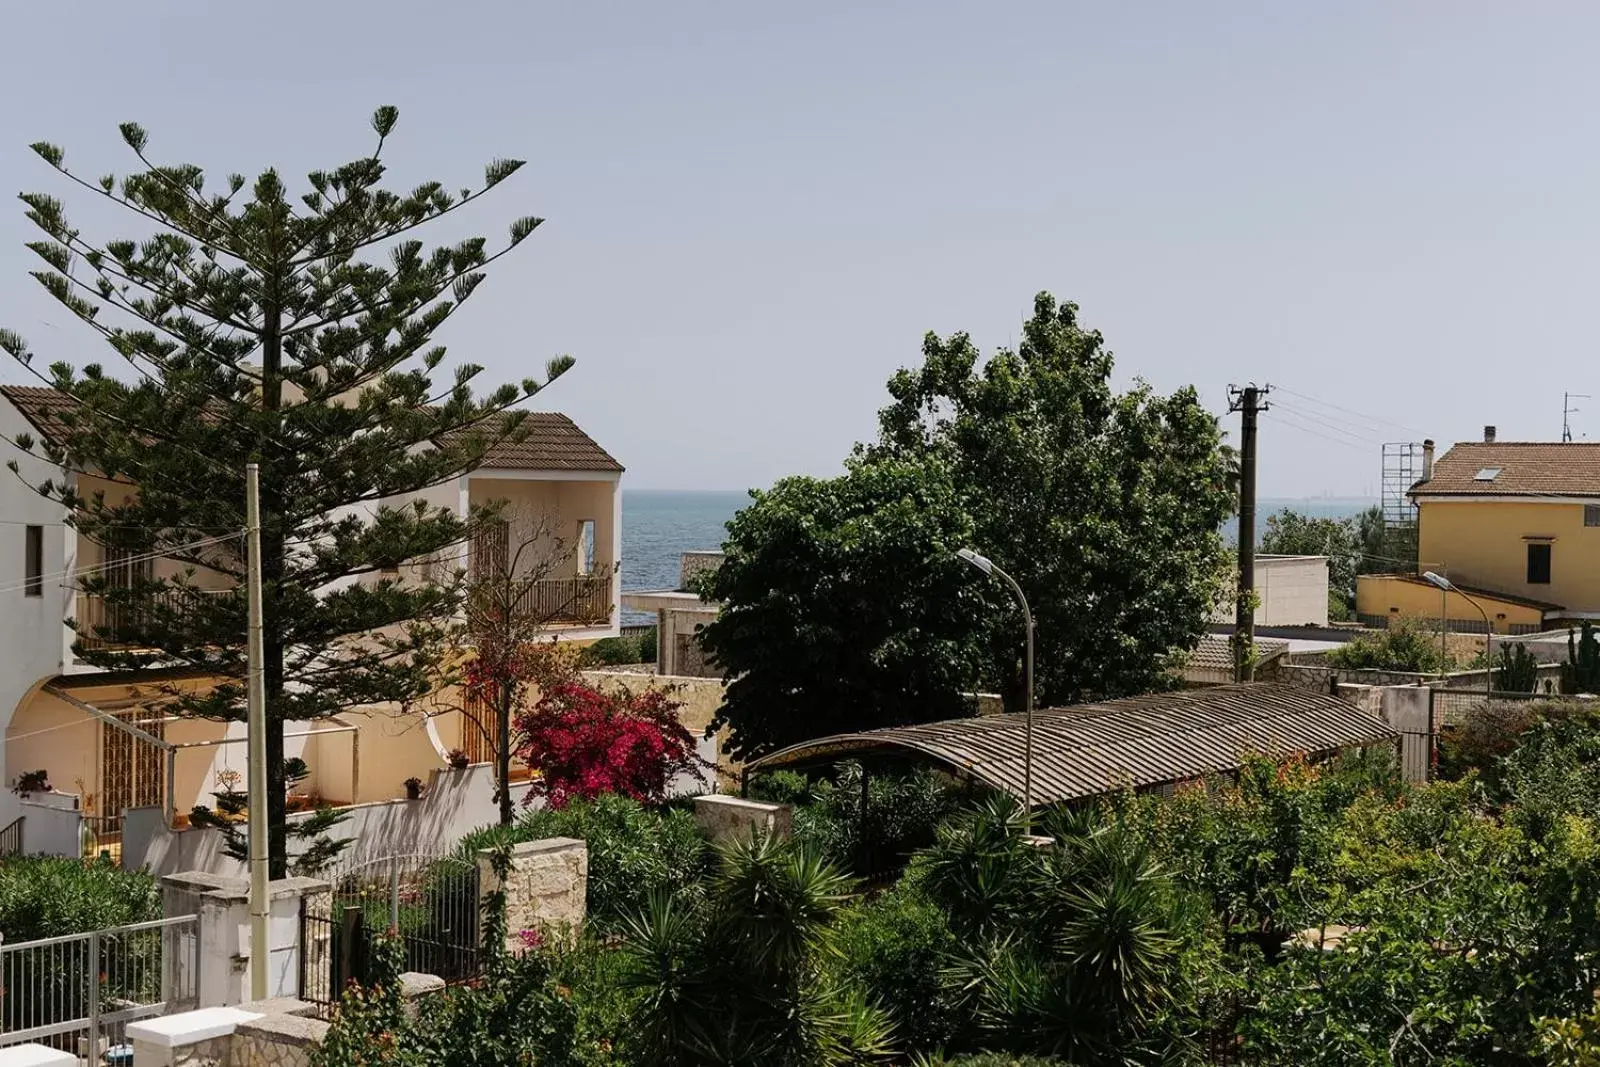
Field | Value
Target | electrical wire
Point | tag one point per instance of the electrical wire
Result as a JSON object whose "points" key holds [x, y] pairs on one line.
{"points": [[166, 553], [1348, 411]]}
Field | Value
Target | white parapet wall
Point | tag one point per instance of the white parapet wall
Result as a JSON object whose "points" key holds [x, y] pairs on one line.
{"points": [[36, 1056]]}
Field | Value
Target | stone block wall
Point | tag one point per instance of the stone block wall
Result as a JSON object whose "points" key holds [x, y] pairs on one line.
{"points": [[546, 887], [723, 818]]}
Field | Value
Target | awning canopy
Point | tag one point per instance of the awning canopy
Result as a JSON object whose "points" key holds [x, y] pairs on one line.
{"points": [[1131, 743]]}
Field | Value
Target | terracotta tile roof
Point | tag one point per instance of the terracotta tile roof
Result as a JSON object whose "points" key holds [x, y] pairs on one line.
{"points": [[40, 405], [553, 442], [1526, 468], [1215, 652]]}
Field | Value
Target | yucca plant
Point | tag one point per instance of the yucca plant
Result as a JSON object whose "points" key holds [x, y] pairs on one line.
{"points": [[738, 981]]}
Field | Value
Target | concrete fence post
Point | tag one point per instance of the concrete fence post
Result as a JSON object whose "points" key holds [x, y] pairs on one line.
{"points": [[223, 907]]}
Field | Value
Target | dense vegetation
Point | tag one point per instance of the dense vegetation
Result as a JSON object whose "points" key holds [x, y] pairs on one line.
{"points": [[1302, 914], [46, 896], [845, 605]]}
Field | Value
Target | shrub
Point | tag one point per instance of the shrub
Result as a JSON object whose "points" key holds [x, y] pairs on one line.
{"points": [[1402, 647], [42, 896], [633, 851], [620, 651], [583, 741], [1517, 670], [903, 810], [894, 947]]}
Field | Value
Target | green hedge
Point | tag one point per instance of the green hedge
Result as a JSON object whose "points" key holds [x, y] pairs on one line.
{"points": [[43, 896], [632, 850]]}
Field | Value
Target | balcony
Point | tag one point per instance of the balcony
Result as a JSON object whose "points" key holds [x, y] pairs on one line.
{"points": [[583, 600], [103, 624]]}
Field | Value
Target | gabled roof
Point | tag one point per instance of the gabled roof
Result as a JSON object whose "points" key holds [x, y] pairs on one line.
{"points": [[1515, 468], [1215, 652], [1477, 591], [1136, 742], [553, 442]]}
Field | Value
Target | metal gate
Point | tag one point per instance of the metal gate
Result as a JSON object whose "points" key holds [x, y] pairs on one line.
{"points": [[78, 993], [429, 902]]}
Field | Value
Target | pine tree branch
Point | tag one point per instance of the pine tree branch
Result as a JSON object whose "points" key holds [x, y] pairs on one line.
{"points": [[392, 232], [153, 217]]}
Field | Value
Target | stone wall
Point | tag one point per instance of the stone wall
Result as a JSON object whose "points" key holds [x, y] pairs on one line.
{"points": [[723, 818], [546, 887]]}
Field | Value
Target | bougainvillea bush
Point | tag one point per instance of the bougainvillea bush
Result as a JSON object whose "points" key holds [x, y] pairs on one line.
{"points": [[584, 741]]}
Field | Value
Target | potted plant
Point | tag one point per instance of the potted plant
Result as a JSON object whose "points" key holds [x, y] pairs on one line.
{"points": [[413, 788], [295, 771], [29, 782], [458, 759]]}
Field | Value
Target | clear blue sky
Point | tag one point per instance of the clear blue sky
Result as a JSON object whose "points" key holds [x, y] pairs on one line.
{"points": [[756, 210]]}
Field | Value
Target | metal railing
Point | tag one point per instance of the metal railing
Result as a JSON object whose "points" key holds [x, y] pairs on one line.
{"points": [[584, 599], [78, 992], [106, 623], [430, 902], [11, 838]]}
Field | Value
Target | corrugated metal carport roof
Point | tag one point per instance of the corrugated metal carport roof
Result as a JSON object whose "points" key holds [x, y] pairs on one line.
{"points": [[1135, 742]]}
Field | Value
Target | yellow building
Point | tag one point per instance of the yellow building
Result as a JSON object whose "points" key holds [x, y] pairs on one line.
{"points": [[1513, 525]]}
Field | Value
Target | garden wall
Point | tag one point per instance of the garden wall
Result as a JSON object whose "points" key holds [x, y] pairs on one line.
{"points": [[455, 803]]}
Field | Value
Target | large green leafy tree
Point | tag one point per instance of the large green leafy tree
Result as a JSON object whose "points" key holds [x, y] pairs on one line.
{"points": [[844, 605], [296, 332], [1104, 506]]}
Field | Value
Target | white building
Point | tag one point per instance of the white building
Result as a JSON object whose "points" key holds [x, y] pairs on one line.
{"points": [[103, 741]]}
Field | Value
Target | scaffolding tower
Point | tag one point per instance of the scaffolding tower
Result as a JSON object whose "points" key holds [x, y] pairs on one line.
{"points": [[1402, 466]]}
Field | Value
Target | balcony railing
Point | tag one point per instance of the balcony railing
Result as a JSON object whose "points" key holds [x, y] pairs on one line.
{"points": [[104, 624], [583, 600]]}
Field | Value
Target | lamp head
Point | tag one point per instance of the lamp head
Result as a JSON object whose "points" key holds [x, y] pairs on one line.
{"points": [[1438, 580], [981, 562]]}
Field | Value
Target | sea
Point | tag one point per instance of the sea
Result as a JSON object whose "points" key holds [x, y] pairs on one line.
{"points": [[659, 525]]}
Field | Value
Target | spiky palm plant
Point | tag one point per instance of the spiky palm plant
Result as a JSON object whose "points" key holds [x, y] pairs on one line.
{"points": [[739, 982]]}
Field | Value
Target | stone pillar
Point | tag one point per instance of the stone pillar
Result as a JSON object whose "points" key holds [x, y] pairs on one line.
{"points": [[223, 907], [546, 887], [722, 818]]}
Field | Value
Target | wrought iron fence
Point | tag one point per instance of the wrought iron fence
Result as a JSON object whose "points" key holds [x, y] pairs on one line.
{"points": [[429, 902], [11, 838], [78, 993]]}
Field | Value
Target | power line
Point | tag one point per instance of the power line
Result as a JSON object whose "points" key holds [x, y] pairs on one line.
{"points": [[1348, 411], [88, 571], [1313, 417]]}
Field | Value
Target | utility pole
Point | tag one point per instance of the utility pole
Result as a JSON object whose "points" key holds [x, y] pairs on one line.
{"points": [[1247, 401], [257, 698], [1566, 410]]}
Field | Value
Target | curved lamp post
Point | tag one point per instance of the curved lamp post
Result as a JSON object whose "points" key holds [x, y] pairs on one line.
{"points": [[987, 566], [1443, 583]]}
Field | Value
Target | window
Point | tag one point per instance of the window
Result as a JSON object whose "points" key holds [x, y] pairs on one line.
{"points": [[491, 550], [1539, 564], [1591, 514], [1487, 474], [33, 561], [586, 546]]}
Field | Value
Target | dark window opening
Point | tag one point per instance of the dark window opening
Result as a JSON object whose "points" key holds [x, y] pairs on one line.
{"points": [[33, 561], [1539, 564]]}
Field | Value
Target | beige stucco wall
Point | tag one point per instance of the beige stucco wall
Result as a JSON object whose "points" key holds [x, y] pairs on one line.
{"points": [[1401, 596], [1482, 543], [1293, 591], [51, 735], [557, 506], [387, 746], [91, 554]]}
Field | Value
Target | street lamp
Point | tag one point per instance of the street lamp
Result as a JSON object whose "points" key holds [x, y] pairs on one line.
{"points": [[987, 566], [1448, 587]]}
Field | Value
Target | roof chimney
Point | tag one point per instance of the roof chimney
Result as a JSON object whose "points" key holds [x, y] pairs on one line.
{"points": [[1427, 460], [1488, 435]]}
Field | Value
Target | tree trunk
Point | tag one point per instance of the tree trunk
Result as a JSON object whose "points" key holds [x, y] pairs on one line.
{"points": [[502, 754], [272, 549]]}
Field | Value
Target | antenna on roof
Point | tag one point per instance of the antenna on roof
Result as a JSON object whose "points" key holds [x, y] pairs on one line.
{"points": [[1566, 410]]}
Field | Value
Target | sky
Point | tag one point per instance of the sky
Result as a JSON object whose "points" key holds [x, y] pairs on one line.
{"points": [[756, 210]]}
